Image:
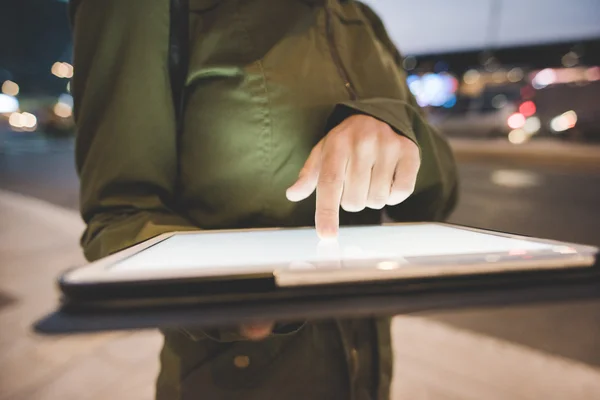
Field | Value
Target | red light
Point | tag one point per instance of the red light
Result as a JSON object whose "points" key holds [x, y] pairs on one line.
{"points": [[527, 108], [516, 121], [527, 92]]}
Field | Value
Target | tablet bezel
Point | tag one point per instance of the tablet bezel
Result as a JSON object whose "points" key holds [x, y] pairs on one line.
{"points": [[94, 274]]}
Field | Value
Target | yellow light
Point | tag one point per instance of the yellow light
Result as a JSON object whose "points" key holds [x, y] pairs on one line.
{"points": [[515, 75], [471, 76], [558, 124], [69, 87], [62, 70], [57, 69], [532, 125], [514, 178], [388, 265], [571, 118], [570, 59], [15, 120], [10, 88], [69, 70], [564, 121], [517, 136], [29, 120], [499, 77], [63, 110], [23, 121]]}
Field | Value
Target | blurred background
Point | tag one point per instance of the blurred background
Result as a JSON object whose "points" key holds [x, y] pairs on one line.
{"points": [[514, 85]]}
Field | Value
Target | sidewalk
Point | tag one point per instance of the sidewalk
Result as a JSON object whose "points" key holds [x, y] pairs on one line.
{"points": [[540, 152], [433, 360]]}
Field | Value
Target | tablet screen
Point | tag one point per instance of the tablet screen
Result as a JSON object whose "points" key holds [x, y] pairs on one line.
{"points": [[296, 256], [298, 248]]}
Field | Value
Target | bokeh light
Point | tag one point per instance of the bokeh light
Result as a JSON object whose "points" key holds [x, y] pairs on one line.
{"points": [[544, 78], [527, 108], [518, 136], [8, 104], [62, 70], [564, 122], [10, 88], [431, 89], [516, 121], [532, 125], [471, 76]]}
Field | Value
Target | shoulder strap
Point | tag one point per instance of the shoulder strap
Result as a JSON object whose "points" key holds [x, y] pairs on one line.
{"points": [[178, 56]]}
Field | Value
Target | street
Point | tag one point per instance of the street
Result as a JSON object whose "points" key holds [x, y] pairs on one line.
{"points": [[554, 203], [557, 203]]}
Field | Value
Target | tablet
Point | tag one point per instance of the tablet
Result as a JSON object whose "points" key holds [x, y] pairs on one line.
{"points": [[297, 257]]}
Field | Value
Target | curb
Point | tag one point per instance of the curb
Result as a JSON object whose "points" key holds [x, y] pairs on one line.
{"points": [[543, 154]]}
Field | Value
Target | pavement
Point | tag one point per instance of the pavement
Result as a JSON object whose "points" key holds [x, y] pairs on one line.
{"points": [[540, 152], [434, 360], [549, 351], [37, 241]]}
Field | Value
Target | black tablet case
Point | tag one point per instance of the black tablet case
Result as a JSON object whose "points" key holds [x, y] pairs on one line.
{"points": [[333, 301]]}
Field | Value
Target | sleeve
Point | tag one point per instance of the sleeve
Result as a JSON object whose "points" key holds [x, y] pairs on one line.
{"points": [[126, 152], [436, 191], [125, 143]]}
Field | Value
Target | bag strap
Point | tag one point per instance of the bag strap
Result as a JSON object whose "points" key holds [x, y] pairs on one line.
{"points": [[178, 68], [178, 56]]}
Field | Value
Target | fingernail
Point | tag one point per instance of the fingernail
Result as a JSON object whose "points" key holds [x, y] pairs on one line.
{"points": [[292, 194], [398, 197]]}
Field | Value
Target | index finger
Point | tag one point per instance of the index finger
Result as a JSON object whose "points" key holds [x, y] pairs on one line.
{"points": [[329, 191]]}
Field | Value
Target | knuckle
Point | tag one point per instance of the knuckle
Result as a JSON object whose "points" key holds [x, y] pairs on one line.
{"points": [[387, 132], [367, 137], [331, 177], [365, 149], [392, 150], [338, 141], [409, 148], [326, 213]]}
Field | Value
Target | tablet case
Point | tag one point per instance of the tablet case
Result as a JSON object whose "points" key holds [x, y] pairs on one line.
{"points": [[334, 301]]}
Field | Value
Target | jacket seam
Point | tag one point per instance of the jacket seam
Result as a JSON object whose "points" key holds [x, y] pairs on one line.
{"points": [[267, 141]]}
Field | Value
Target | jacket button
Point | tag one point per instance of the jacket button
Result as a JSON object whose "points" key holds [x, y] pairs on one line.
{"points": [[241, 361]]}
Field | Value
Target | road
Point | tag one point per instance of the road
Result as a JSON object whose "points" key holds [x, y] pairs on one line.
{"points": [[555, 203]]}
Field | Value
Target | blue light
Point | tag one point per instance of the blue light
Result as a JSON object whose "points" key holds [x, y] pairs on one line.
{"points": [[66, 98], [412, 78], [441, 66], [433, 89], [451, 102]]}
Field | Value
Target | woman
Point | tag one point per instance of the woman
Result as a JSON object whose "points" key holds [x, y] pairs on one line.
{"points": [[274, 89]]}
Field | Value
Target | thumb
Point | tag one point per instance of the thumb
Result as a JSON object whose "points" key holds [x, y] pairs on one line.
{"points": [[308, 178], [257, 331]]}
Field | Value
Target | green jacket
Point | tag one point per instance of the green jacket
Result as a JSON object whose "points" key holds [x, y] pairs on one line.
{"points": [[267, 79]]}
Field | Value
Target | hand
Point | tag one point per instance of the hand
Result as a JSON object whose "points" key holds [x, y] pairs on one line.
{"points": [[257, 331], [360, 163]]}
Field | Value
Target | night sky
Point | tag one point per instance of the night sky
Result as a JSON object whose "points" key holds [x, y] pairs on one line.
{"points": [[435, 26], [35, 33]]}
